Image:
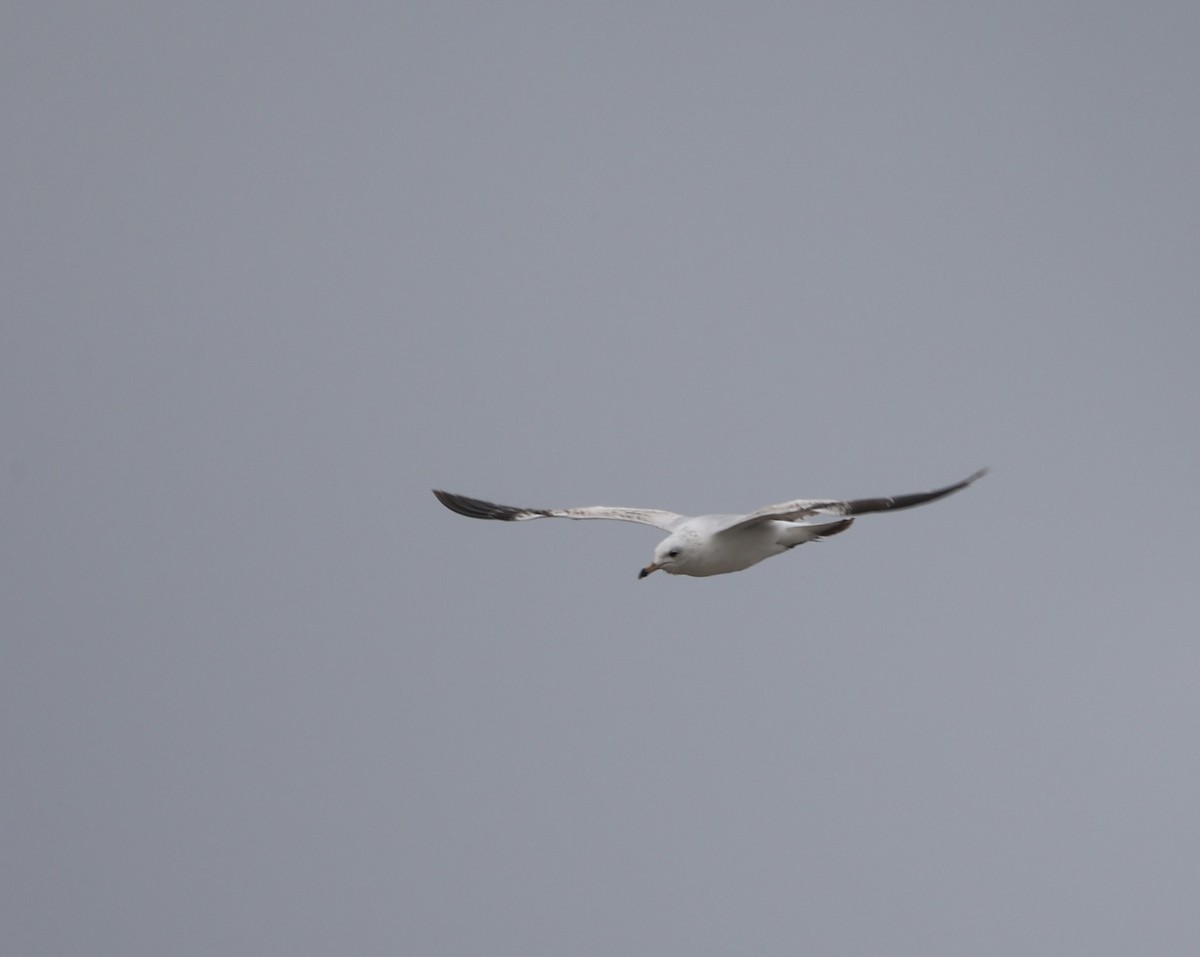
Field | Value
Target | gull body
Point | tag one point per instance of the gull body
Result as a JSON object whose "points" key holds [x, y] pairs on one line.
{"points": [[699, 548], [704, 545]]}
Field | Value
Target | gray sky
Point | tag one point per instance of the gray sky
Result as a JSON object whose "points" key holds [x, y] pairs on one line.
{"points": [[270, 274]]}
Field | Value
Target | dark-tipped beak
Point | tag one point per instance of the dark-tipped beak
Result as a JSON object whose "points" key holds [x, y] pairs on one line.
{"points": [[647, 570]]}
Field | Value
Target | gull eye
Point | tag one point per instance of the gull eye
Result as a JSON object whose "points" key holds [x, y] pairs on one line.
{"points": [[673, 553]]}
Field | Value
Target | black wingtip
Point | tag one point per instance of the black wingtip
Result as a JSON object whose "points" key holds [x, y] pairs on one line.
{"points": [[895, 502], [478, 508]]}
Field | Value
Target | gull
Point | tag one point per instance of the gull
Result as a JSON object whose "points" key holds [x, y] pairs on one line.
{"points": [[703, 545]]}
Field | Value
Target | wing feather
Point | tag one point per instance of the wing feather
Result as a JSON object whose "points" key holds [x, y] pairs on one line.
{"points": [[812, 507], [478, 508]]}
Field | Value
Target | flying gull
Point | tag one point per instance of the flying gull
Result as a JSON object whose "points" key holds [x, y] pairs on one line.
{"points": [[717, 544]]}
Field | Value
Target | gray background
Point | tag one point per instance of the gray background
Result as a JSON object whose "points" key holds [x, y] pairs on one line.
{"points": [[271, 271]]}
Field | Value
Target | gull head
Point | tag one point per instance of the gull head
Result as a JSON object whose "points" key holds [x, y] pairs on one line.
{"points": [[671, 556]]}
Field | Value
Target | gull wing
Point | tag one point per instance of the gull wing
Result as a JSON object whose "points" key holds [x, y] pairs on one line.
{"points": [[803, 508], [477, 508]]}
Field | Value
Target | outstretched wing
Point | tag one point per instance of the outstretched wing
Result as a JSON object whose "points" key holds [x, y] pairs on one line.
{"points": [[477, 508], [811, 507]]}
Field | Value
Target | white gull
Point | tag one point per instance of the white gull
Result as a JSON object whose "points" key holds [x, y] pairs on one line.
{"points": [[717, 544]]}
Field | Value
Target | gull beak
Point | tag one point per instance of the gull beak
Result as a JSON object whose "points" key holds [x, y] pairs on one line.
{"points": [[647, 570]]}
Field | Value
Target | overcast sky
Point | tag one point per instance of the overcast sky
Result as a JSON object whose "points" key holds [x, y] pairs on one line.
{"points": [[271, 272]]}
